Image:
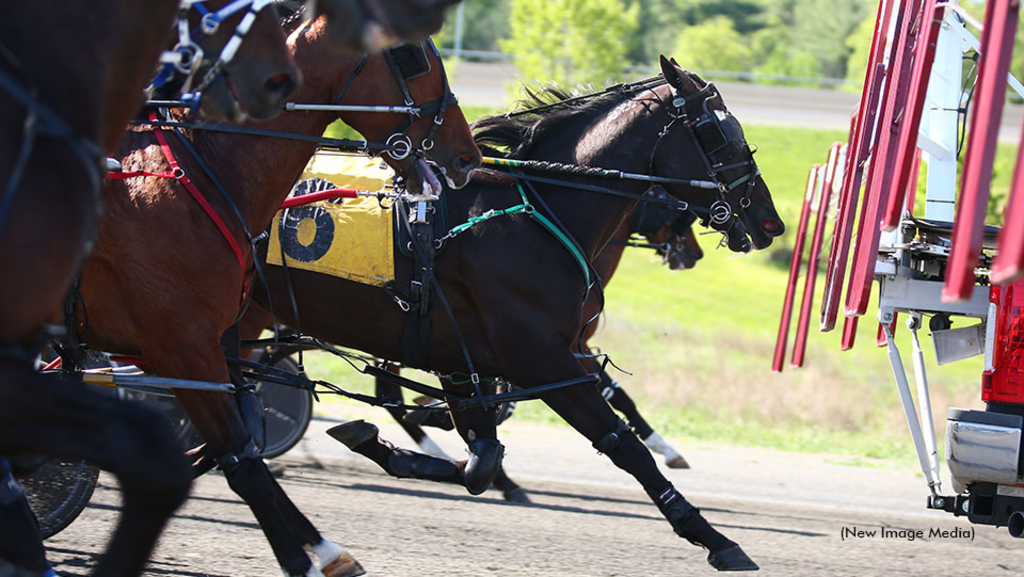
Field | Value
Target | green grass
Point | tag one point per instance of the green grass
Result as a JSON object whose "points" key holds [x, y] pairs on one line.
{"points": [[699, 343]]}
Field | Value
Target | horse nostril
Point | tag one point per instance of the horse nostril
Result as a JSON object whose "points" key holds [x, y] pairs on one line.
{"points": [[771, 227], [467, 162], [280, 85]]}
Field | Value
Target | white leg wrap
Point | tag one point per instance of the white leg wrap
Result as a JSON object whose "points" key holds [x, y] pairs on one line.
{"points": [[326, 551], [655, 443], [430, 447]]}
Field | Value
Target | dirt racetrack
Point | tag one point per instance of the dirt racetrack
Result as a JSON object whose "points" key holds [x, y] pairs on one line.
{"points": [[787, 510]]}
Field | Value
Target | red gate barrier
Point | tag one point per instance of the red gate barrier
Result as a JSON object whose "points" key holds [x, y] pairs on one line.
{"points": [[906, 147], [814, 257], [883, 161], [857, 155], [989, 94], [794, 271]]}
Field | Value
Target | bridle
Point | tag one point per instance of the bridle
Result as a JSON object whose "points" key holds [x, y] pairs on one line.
{"points": [[187, 57], [408, 61], [710, 141]]}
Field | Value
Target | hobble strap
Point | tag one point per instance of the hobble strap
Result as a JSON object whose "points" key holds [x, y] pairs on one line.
{"points": [[230, 462], [608, 444]]}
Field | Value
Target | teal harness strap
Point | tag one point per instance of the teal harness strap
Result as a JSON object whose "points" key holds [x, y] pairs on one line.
{"points": [[526, 208], [753, 174]]}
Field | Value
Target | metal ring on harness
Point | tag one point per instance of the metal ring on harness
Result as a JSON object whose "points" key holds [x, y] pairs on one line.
{"points": [[721, 212], [427, 144], [189, 55], [210, 23], [745, 202], [400, 146]]}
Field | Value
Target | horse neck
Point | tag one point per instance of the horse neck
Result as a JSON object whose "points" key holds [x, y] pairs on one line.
{"points": [[259, 172], [622, 139], [94, 59]]}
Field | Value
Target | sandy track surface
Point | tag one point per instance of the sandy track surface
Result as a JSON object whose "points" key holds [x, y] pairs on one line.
{"points": [[787, 510]]}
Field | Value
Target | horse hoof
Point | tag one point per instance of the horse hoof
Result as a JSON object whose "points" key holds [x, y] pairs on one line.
{"points": [[484, 463], [732, 559], [677, 462], [344, 565], [517, 495], [354, 433]]}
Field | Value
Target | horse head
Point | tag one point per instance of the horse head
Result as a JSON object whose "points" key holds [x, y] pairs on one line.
{"points": [[701, 126], [410, 75], [238, 59], [357, 25]]}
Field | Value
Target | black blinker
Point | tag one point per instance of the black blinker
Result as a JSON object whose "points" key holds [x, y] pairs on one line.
{"points": [[411, 60]]}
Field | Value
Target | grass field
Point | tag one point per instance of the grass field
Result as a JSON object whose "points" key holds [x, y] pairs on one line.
{"points": [[699, 343]]}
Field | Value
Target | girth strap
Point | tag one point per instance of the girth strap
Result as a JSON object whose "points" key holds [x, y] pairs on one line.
{"points": [[416, 333]]}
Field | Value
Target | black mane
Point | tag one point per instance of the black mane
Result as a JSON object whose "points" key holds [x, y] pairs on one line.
{"points": [[539, 114]]}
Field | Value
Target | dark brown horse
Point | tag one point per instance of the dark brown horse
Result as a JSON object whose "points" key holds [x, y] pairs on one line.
{"points": [[670, 234], [71, 76], [517, 292], [368, 25], [164, 284]]}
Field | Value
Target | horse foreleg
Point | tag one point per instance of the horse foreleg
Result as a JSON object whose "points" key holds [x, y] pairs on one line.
{"points": [[217, 418], [478, 428], [621, 402], [584, 409], [46, 414]]}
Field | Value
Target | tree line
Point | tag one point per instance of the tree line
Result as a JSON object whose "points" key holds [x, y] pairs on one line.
{"points": [[595, 41]]}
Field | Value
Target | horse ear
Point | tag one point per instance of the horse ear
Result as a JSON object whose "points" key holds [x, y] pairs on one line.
{"points": [[677, 77], [670, 70]]}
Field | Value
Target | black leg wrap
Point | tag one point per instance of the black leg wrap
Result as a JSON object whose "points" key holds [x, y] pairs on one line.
{"points": [[406, 464], [485, 457], [688, 523], [609, 443], [229, 463]]}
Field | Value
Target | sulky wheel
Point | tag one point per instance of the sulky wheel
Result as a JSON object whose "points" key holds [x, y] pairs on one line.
{"points": [[58, 491], [287, 411]]}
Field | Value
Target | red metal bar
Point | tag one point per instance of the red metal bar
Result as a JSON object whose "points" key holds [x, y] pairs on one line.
{"points": [[1009, 264], [924, 56], [814, 257], [318, 196], [883, 160], [849, 333], [794, 271], [857, 155], [989, 94], [54, 364]]}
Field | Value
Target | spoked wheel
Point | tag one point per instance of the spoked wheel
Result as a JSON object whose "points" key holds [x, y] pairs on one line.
{"points": [[287, 412], [58, 492]]}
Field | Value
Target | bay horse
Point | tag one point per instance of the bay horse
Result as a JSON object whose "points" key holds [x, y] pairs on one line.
{"points": [[517, 293], [669, 232], [71, 76], [164, 284]]}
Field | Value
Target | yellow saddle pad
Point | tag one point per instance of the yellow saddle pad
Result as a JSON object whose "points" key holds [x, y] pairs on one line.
{"points": [[350, 240]]}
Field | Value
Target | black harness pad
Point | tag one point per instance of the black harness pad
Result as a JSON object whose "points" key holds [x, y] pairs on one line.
{"points": [[411, 60]]}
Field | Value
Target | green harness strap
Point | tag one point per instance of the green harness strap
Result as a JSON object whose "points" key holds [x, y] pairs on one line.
{"points": [[526, 208]]}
